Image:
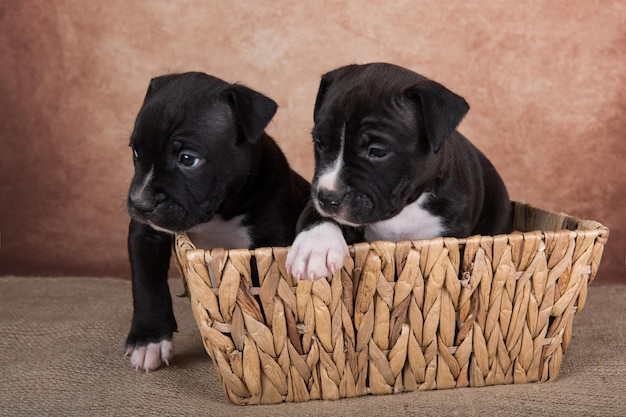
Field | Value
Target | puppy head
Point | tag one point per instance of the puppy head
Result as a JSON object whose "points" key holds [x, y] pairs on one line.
{"points": [[378, 137], [192, 148]]}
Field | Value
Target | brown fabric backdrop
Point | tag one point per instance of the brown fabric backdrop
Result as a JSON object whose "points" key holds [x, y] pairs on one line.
{"points": [[546, 82]]}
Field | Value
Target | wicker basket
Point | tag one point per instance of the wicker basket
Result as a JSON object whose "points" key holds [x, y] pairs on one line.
{"points": [[414, 315]]}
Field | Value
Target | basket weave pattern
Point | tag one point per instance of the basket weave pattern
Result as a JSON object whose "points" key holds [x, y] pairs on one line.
{"points": [[414, 315]]}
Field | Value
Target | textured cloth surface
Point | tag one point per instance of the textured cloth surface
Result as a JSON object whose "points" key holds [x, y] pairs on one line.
{"points": [[61, 353]]}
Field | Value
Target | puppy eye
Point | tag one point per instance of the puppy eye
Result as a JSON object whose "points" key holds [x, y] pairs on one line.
{"points": [[376, 152], [320, 145], [188, 160], [135, 154]]}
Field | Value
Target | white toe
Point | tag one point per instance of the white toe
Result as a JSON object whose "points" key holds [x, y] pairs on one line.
{"points": [[151, 357], [317, 252]]}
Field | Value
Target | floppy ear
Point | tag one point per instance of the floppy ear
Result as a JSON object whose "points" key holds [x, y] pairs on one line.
{"points": [[440, 109], [253, 110]]}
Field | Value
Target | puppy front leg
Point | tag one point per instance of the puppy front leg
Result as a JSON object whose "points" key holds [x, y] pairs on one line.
{"points": [[149, 341], [317, 252], [319, 248]]}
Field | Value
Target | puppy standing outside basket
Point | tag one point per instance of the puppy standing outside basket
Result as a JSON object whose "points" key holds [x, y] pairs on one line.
{"points": [[205, 166]]}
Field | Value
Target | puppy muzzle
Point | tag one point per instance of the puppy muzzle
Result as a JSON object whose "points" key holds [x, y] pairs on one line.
{"points": [[344, 207], [330, 201]]}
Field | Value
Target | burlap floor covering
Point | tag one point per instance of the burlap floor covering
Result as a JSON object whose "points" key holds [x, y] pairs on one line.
{"points": [[61, 354]]}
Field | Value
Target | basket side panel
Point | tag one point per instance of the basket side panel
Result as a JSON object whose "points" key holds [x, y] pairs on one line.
{"points": [[417, 315]]}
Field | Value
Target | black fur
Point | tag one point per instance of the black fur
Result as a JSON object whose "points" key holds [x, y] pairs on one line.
{"points": [[200, 150], [400, 142]]}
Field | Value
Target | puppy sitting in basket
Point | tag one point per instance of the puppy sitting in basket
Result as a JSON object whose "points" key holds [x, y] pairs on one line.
{"points": [[390, 165]]}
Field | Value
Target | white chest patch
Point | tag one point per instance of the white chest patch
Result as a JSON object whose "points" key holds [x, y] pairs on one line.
{"points": [[413, 222], [220, 233]]}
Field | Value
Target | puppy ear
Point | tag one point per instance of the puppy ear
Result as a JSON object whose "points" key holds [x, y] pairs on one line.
{"points": [[440, 109], [253, 110]]}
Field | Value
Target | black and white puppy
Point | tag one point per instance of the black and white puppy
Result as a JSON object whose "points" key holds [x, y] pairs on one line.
{"points": [[204, 165], [390, 165]]}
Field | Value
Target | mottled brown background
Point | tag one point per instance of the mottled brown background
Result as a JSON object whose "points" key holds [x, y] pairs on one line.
{"points": [[546, 82]]}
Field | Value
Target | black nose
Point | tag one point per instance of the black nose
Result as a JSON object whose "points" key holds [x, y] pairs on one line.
{"points": [[330, 200], [143, 205]]}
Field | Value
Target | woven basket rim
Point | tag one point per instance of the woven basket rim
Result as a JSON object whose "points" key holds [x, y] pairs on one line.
{"points": [[562, 220]]}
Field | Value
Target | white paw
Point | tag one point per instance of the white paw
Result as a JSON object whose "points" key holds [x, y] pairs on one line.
{"points": [[317, 252], [152, 356]]}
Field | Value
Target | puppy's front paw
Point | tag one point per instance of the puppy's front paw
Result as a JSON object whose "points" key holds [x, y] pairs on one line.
{"points": [[317, 252], [151, 356]]}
